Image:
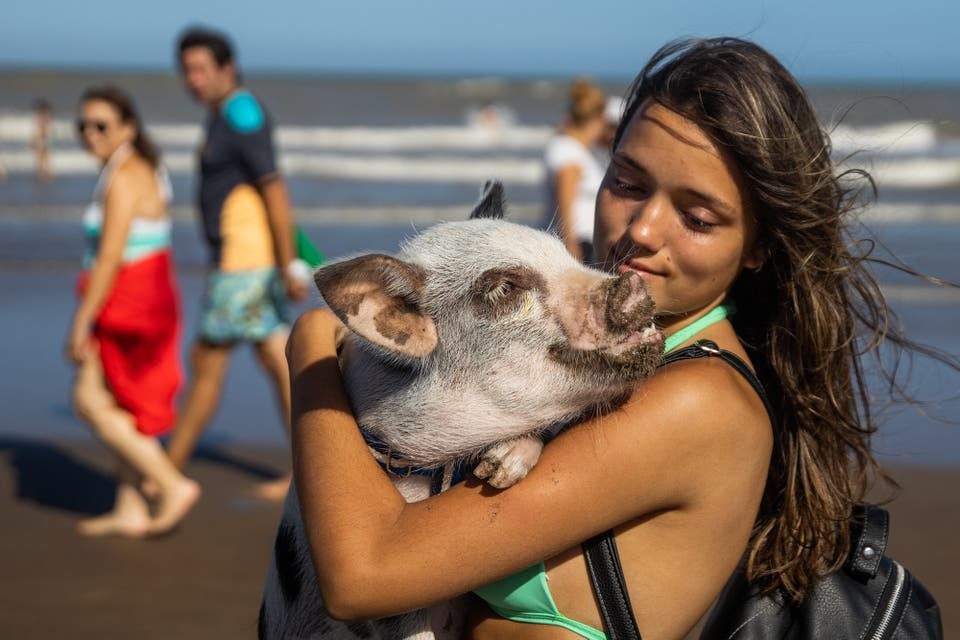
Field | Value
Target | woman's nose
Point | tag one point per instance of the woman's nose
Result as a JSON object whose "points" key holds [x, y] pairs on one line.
{"points": [[647, 223]]}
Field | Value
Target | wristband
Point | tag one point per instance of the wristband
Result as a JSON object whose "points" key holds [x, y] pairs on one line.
{"points": [[299, 270]]}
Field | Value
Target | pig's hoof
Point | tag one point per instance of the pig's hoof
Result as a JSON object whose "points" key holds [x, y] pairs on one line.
{"points": [[505, 464]]}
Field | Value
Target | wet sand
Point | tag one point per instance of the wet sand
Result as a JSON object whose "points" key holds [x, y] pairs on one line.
{"points": [[204, 580]]}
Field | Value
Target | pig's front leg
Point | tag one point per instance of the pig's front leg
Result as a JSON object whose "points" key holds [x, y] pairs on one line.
{"points": [[505, 464]]}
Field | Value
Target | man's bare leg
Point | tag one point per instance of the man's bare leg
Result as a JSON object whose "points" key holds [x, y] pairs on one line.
{"points": [[142, 455], [271, 354], [208, 366]]}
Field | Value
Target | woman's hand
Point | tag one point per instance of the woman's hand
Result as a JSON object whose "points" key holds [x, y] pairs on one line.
{"points": [[324, 327], [77, 345]]}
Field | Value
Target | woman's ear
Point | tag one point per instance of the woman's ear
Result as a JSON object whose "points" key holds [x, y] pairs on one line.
{"points": [[755, 251], [754, 257], [129, 131]]}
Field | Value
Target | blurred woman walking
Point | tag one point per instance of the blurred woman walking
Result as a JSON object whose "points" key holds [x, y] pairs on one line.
{"points": [[125, 334]]}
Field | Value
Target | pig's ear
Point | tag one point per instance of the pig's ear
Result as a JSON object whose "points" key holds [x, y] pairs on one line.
{"points": [[491, 203], [379, 297]]}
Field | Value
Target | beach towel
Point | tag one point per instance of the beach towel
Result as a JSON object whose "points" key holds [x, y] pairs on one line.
{"points": [[138, 335]]}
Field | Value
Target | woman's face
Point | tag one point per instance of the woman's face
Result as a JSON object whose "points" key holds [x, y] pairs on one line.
{"points": [[673, 209], [101, 130]]}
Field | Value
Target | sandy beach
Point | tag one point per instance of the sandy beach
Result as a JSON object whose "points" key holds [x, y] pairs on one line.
{"points": [[204, 580]]}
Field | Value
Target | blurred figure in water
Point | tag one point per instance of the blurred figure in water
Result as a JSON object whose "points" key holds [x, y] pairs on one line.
{"points": [[249, 229], [42, 141], [124, 338], [573, 173]]}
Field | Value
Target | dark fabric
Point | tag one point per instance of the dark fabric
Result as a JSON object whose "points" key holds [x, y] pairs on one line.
{"points": [[873, 597], [231, 155]]}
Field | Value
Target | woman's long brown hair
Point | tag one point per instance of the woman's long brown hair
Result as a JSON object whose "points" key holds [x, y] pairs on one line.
{"points": [[809, 314]]}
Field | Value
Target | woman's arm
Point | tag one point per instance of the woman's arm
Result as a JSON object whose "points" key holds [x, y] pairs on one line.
{"points": [[376, 555], [567, 178], [119, 204]]}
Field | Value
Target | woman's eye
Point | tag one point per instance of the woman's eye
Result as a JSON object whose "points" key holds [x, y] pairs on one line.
{"points": [[696, 222], [626, 187]]}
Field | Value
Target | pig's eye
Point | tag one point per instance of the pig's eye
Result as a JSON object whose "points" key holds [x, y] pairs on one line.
{"points": [[501, 290], [507, 291]]}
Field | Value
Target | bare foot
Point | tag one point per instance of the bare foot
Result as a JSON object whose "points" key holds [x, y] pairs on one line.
{"points": [[274, 490], [150, 489], [174, 506], [115, 524]]}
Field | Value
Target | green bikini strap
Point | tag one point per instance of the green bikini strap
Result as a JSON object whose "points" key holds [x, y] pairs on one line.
{"points": [[718, 313]]}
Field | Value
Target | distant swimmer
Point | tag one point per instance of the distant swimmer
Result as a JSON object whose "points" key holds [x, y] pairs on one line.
{"points": [[42, 141], [491, 116]]}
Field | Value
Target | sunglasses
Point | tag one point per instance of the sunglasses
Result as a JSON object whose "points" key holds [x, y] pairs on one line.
{"points": [[99, 125]]}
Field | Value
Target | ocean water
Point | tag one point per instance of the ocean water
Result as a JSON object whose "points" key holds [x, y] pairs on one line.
{"points": [[370, 161], [383, 142]]}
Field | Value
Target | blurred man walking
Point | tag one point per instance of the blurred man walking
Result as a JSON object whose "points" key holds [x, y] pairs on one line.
{"points": [[249, 230]]}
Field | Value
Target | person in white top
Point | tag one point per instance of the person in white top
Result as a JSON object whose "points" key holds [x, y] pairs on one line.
{"points": [[612, 113], [572, 170]]}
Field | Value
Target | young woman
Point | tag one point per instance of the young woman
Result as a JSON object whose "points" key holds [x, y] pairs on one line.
{"points": [[124, 338], [722, 196], [573, 171]]}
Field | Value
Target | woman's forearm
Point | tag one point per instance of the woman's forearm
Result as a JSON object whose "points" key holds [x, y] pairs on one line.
{"points": [[102, 275], [346, 501]]}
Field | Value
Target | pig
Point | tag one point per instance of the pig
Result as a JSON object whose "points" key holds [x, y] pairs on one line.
{"points": [[480, 339]]}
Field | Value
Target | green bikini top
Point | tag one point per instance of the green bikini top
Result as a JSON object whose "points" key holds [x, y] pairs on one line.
{"points": [[525, 596]]}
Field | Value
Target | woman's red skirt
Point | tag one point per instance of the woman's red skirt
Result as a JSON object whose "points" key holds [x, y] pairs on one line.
{"points": [[138, 333]]}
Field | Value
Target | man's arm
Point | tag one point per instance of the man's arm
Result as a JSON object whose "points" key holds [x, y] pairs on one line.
{"points": [[274, 193], [254, 142]]}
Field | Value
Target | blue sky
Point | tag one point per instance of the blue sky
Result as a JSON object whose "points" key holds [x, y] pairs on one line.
{"points": [[879, 40]]}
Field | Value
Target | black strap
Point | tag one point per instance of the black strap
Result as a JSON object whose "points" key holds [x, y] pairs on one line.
{"points": [[708, 348], [600, 552], [869, 537], [610, 588]]}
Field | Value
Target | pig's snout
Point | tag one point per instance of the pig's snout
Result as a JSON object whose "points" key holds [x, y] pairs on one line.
{"points": [[628, 305], [615, 331]]}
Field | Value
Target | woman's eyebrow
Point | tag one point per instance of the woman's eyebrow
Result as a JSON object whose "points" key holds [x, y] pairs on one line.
{"points": [[622, 158], [716, 203], [719, 205]]}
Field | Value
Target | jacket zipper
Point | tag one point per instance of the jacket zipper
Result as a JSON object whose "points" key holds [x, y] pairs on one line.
{"points": [[879, 632]]}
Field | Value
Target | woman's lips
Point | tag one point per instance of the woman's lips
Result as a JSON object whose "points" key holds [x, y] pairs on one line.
{"points": [[643, 271]]}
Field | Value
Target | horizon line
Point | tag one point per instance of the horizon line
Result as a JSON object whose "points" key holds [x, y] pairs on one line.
{"points": [[865, 80]]}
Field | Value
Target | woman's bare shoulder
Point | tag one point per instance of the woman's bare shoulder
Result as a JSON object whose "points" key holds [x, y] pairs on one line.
{"points": [[690, 421], [134, 169], [712, 406], [132, 181]]}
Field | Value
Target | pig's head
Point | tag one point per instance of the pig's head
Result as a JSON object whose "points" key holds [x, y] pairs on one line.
{"points": [[498, 319]]}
